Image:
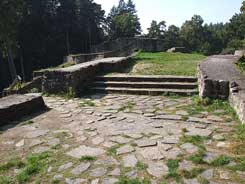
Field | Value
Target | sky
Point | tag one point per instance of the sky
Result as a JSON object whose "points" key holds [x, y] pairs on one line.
{"points": [[178, 11]]}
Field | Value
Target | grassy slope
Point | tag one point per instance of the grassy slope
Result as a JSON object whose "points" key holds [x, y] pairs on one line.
{"points": [[166, 63]]}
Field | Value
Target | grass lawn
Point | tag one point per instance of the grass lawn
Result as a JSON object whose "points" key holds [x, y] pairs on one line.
{"points": [[164, 63]]}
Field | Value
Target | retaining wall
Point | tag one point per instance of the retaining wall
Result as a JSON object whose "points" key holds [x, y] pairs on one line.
{"points": [[219, 78]]}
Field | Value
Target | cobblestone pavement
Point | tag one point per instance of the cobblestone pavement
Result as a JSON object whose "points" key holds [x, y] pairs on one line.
{"points": [[99, 139]]}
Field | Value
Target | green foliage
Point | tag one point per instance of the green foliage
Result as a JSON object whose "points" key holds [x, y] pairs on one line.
{"points": [[196, 140], [241, 63], [193, 173], [86, 103], [172, 168], [164, 63], [124, 180], [240, 166], [221, 161], [87, 158], [113, 150], [141, 166], [157, 30], [27, 122], [128, 105], [36, 164], [198, 157], [123, 21], [15, 162], [6, 180]]}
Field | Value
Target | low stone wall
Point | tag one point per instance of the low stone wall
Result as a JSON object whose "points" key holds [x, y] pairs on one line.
{"points": [[123, 51], [33, 86], [79, 78], [144, 44], [14, 107], [219, 78]]}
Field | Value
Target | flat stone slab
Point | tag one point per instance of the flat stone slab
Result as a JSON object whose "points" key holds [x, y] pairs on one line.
{"points": [[14, 107], [85, 151], [157, 170]]}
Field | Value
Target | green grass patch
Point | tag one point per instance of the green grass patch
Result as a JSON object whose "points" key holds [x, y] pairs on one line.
{"points": [[240, 166], [87, 158], [112, 151], [241, 64], [193, 173], [125, 180], [221, 161], [140, 166], [35, 164], [173, 168], [87, 103], [128, 105], [27, 123], [163, 63], [6, 180], [198, 157], [13, 163]]}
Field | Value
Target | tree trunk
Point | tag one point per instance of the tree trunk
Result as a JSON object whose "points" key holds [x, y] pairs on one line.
{"points": [[67, 42], [12, 68], [22, 66]]}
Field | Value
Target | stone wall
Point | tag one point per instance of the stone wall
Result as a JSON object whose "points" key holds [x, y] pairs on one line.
{"points": [[14, 107], [219, 78], [124, 51], [79, 78], [145, 44]]}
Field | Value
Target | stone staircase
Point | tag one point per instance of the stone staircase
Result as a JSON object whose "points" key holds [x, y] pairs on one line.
{"points": [[146, 85]]}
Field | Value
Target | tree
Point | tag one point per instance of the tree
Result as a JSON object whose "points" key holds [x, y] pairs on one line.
{"points": [[243, 7], [123, 21], [157, 30], [192, 33], [10, 16], [172, 37]]}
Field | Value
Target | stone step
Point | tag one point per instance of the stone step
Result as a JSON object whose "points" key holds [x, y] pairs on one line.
{"points": [[147, 78], [146, 91], [162, 85]]}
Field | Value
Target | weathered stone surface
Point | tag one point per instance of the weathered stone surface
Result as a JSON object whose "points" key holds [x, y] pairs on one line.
{"points": [[125, 149], [85, 151], [98, 140], [168, 117], [210, 157], [172, 139], [157, 169], [120, 140], [14, 107], [186, 165], [189, 148], [146, 143], [76, 181], [80, 168], [208, 174], [20, 144], [109, 181], [65, 166], [198, 132], [115, 172], [151, 153], [129, 161], [98, 172], [191, 181], [36, 133]]}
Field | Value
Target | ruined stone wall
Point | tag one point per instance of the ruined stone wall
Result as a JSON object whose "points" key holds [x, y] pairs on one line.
{"points": [[79, 78], [145, 44], [212, 88], [219, 78]]}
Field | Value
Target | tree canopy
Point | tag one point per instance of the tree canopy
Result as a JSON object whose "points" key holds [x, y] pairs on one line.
{"points": [[123, 20]]}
